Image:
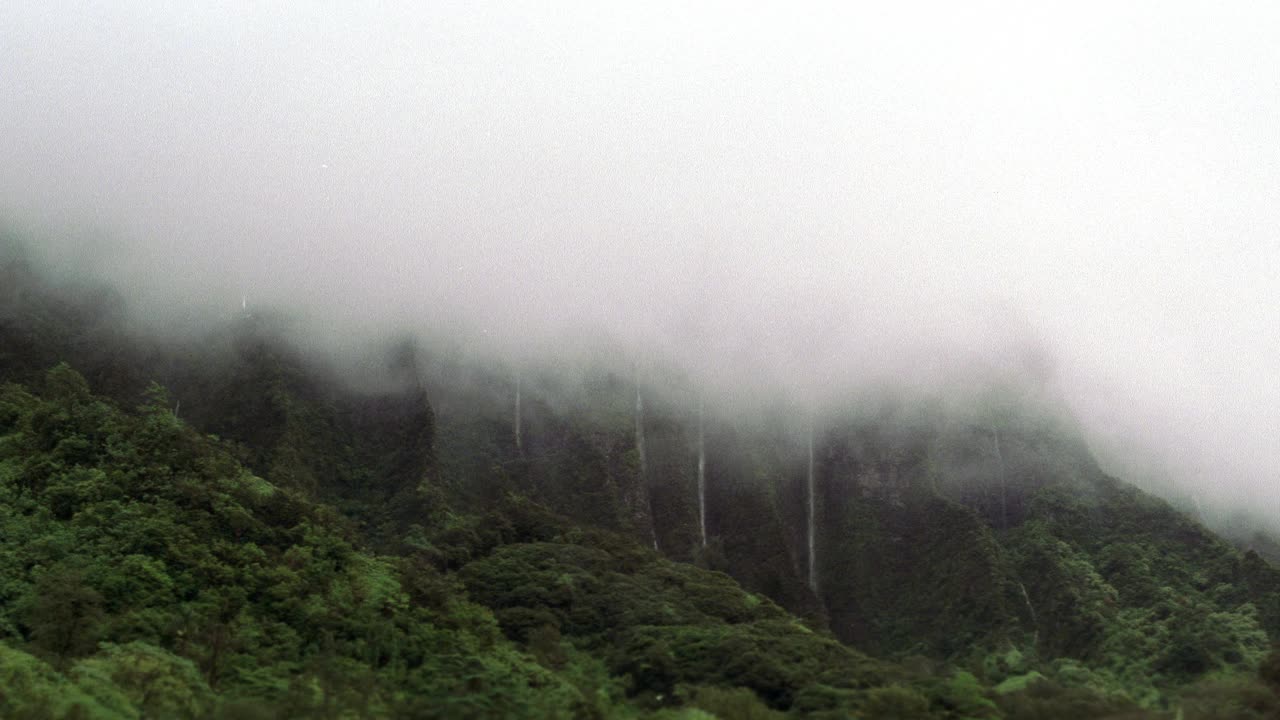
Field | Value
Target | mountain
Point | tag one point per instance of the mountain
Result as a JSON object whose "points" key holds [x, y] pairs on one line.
{"points": [[230, 527]]}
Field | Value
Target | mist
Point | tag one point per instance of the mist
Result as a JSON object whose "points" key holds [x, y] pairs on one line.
{"points": [[809, 200]]}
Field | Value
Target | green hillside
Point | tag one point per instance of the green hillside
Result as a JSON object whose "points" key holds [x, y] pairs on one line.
{"points": [[228, 528]]}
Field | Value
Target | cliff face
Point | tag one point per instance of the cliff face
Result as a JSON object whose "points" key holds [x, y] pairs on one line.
{"points": [[958, 531]]}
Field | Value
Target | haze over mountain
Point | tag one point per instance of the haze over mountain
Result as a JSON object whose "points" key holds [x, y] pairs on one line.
{"points": [[809, 200]]}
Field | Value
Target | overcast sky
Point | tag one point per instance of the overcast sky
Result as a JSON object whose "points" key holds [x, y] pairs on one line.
{"points": [[809, 193]]}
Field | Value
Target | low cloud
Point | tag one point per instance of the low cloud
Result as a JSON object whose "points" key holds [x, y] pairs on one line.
{"points": [[810, 200]]}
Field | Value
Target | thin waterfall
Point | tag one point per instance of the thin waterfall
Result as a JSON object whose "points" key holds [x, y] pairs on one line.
{"points": [[811, 518], [1004, 505], [640, 450], [517, 420], [702, 473], [644, 461], [1032, 612]]}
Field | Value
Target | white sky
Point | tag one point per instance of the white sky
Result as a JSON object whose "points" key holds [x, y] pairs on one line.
{"points": [[808, 192]]}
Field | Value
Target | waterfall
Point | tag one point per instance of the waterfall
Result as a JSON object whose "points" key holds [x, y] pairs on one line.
{"points": [[517, 423], [702, 474], [1004, 506], [1032, 612], [640, 451], [644, 461], [811, 518]]}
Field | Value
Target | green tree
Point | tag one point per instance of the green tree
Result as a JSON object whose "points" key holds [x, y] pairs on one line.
{"points": [[63, 613]]}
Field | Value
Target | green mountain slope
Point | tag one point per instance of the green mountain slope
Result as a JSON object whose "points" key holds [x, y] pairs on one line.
{"points": [[147, 573], [261, 537]]}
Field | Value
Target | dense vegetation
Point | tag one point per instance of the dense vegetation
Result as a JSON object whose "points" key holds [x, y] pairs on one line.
{"points": [[148, 573], [252, 536]]}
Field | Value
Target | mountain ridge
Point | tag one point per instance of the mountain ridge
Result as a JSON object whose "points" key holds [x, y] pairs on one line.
{"points": [[984, 540]]}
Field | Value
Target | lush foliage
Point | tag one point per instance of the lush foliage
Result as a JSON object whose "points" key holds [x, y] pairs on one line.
{"points": [[265, 539], [147, 573], [138, 548]]}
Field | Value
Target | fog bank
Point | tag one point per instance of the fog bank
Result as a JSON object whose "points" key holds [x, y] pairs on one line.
{"points": [[813, 199]]}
